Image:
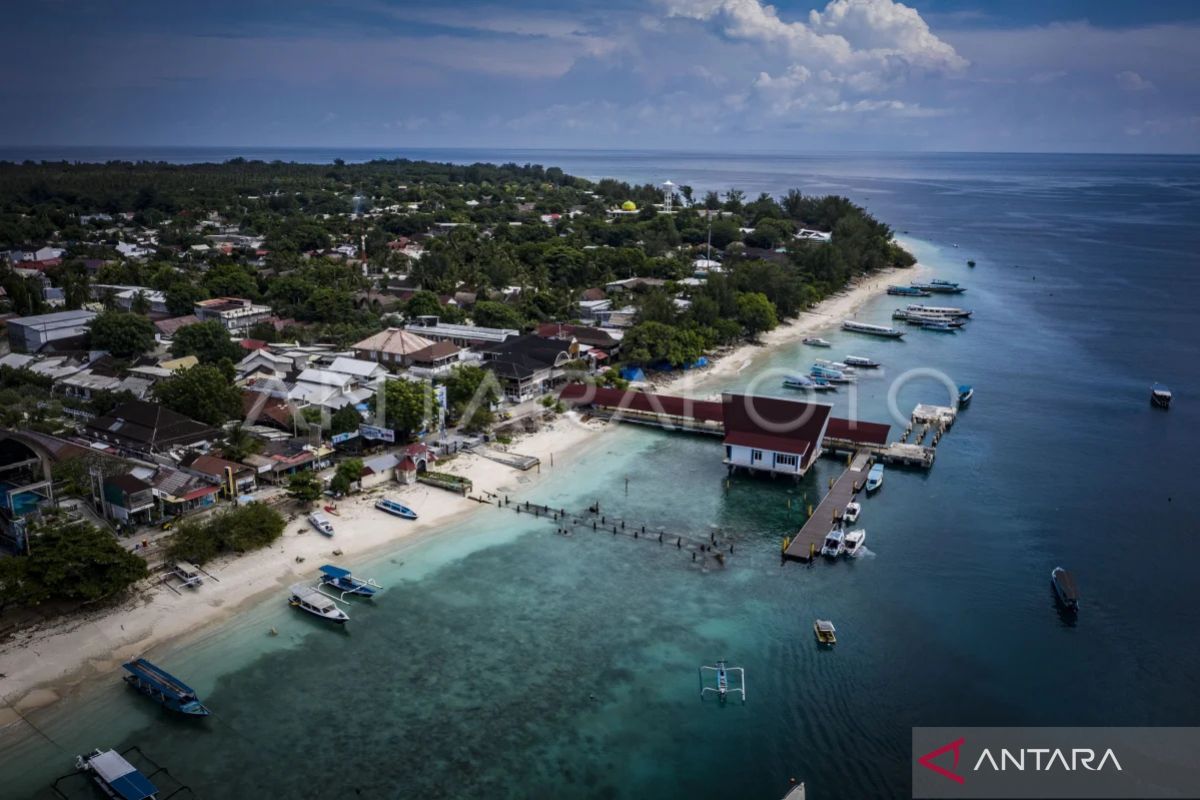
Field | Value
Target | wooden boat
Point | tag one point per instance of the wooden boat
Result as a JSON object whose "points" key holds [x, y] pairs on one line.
{"points": [[826, 633], [808, 384], [1160, 396], [310, 599], [816, 341], [394, 507], [1065, 588], [871, 330], [875, 477], [952, 312], [341, 580], [164, 688], [321, 523], [861, 362], [116, 777], [854, 542]]}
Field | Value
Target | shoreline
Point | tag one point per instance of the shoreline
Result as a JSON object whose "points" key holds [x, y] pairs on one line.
{"points": [[51, 661]]}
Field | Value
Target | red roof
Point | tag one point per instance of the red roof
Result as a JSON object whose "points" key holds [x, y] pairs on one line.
{"points": [[857, 431], [252, 344], [774, 423], [584, 394], [407, 464]]}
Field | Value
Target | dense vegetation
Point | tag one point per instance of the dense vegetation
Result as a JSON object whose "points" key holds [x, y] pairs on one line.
{"points": [[235, 530]]}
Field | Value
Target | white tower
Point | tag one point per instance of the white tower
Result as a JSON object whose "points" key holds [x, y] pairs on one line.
{"points": [[669, 194]]}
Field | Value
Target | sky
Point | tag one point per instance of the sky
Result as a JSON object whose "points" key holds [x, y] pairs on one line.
{"points": [[708, 75]]}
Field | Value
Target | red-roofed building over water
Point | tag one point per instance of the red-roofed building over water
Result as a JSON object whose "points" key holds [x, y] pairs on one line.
{"points": [[773, 434]]}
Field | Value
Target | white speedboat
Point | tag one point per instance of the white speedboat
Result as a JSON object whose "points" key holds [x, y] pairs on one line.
{"points": [[875, 478], [321, 523], [835, 544], [854, 542], [308, 598], [851, 513], [817, 341]]}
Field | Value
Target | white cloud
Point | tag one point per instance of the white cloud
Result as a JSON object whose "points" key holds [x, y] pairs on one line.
{"points": [[1131, 81]]}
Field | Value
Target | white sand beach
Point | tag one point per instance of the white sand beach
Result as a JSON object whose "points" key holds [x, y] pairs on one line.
{"points": [[42, 664]]}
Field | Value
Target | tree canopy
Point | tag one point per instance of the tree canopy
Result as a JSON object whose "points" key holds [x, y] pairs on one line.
{"points": [[124, 334], [207, 341], [203, 393]]}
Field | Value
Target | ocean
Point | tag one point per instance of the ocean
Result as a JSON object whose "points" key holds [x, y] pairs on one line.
{"points": [[508, 661]]}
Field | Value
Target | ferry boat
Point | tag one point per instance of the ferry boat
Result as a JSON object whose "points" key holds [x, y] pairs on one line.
{"points": [[341, 580], [310, 599], [164, 688], [850, 514], [871, 330], [1160, 396], [854, 542], [394, 507], [861, 362], [1065, 588], [840, 366], [939, 311], [826, 633], [321, 523], [116, 777], [875, 478], [835, 544], [808, 384], [829, 374], [942, 287], [816, 341], [907, 291], [965, 393]]}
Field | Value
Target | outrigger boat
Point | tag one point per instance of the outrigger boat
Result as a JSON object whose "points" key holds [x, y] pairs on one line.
{"points": [[341, 580], [723, 687], [1065, 588], [826, 633], [875, 478], [321, 523], [861, 362], [871, 330], [164, 688], [854, 542], [816, 341], [806, 383], [317, 603], [907, 291], [394, 507], [116, 777]]}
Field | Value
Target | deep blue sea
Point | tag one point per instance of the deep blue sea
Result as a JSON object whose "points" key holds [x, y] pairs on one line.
{"points": [[507, 661]]}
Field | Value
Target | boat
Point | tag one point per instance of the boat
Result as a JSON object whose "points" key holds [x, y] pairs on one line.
{"points": [[1065, 588], [394, 507], [965, 393], [797, 791], [722, 686], [940, 311], [1160, 396], [341, 579], [941, 282], [835, 544], [321, 523], [163, 688], [938, 325], [829, 374], [826, 633], [854, 542], [907, 291], [861, 362], [116, 777], [816, 341], [871, 330], [806, 383], [850, 514], [840, 366], [945, 287], [312, 600], [875, 478]]}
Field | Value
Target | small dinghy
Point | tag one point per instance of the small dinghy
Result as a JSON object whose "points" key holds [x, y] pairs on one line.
{"points": [[826, 633]]}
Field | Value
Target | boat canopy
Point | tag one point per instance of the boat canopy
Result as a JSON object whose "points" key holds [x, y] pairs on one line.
{"points": [[335, 572], [125, 780]]}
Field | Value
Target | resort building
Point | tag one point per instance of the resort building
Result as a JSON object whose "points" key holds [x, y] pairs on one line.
{"points": [[773, 434]]}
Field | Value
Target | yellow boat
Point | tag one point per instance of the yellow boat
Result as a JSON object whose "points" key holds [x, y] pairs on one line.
{"points": [[826, 633]]}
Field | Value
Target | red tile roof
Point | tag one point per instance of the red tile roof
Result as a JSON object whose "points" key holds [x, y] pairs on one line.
{"points": [[774, 423], [857, 431]]}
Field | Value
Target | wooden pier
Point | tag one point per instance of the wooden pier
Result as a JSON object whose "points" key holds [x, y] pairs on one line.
{"points": [[806, 544]]}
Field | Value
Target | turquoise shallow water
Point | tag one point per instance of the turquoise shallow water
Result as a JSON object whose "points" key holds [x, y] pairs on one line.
{"points": [[509, 661]]}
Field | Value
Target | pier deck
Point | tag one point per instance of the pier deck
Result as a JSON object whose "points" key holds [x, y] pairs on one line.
{"points": [[808, 540]]}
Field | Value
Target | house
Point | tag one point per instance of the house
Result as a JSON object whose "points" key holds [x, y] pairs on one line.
{"points": [[148, 428], [357, 368], [437, 359], [332, 390], [135, 251], [775, 435], [168, 327], [129, 499], [285, 457], [233, 478], [528, 365], [593, 309], [263, 362], [634, 284], [181, 493], [433, 329], [393, 347], [236, 313], [31, 334], [125, 297], [587, 336], [808, 235]]}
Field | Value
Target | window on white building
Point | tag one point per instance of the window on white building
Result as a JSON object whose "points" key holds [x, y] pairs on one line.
{"points": [[785, 460], [756, 455]]}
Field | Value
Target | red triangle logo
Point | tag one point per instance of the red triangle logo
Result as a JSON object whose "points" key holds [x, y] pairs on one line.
{"points": [[927, 760]]}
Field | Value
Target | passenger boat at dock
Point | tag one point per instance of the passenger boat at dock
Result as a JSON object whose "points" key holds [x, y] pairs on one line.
{"points": [[816, 341], [875, 477], [840, 366], [344, 582], [939, 311], [1065, 588], [907, 291], [312, 600], [936, 325], [164, 688], [1160, 396], [808, 384], [835, 543], [116, 777], [861, 362], [940, 287], [871, 330], [826, 633], [850, 514], [321, 523], [829, 374], [396, 508]]}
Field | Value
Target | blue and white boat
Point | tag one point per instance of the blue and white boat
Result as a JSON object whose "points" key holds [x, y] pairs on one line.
{"points": [[317, 603], [965, 393], [341, 580], [907, 291], [808, 384], [940, 287], [868, 328], [116, 777], [875, 478], [395, 507], [829, 374], [164, 688], [936, 325]]}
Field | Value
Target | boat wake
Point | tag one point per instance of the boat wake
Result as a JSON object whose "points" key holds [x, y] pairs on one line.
{"points": [[864, 552]]}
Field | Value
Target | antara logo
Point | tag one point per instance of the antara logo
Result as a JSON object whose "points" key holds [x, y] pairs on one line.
{"points": [[1034, 759], [954, 747]]}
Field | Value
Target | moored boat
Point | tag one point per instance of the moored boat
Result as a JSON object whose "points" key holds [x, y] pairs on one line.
{"points": [[817, 341], [835, 543], [310, 599], [936, 325], [875, 477], [1160, 396], [907, 291], [164, 688], [826, 633], [939, 311], [341, 580], [116, 777], [840, 366], [1065, 588], [942, 287], [808, 384], [829, 374], [872, 330], [321, 523], [853, 509], [854, 542], [394, 507], [861, 362]]}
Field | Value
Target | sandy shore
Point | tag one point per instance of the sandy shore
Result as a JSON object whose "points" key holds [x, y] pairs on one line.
{"points": [[44, 663]]}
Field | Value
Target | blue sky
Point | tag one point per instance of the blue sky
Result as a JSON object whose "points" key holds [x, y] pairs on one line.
{"points": [[1071, 75]]}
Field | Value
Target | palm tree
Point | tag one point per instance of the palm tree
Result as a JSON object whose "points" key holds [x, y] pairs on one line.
{"points": [[238, 443]]}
